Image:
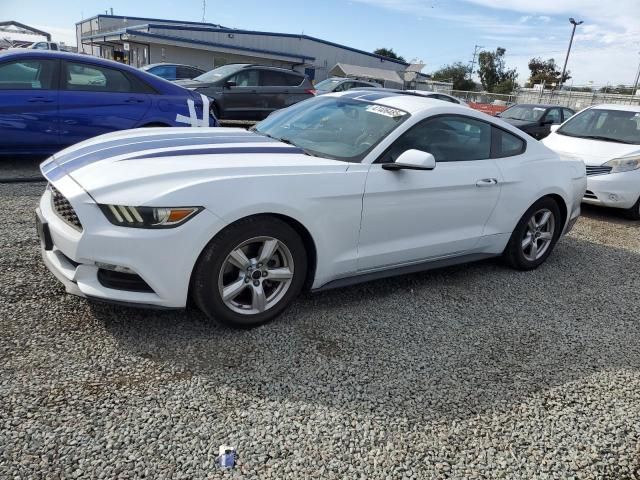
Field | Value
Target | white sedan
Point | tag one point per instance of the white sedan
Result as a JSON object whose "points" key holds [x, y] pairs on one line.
{"points": [[607, 138], [338, 189]]}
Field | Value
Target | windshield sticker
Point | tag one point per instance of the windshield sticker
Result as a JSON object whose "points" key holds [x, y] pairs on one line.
{"points": [[386, 111]]}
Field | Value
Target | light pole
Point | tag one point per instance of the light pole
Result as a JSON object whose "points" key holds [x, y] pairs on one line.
{"points": [[635, 84], [564, 69]]}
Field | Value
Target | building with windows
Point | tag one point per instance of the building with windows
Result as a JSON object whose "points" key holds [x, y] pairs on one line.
{"points": [[140, 41]]}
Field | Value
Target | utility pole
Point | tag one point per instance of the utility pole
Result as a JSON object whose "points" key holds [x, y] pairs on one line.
{"points": [[204, 9], [473, 61], [566, 59], [635, 84]]}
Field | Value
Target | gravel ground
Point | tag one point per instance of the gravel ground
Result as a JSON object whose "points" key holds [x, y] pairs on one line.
{"points": [[468, 372]]}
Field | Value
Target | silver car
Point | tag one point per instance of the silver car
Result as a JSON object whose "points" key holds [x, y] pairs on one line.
{"points": [[338, 84]]}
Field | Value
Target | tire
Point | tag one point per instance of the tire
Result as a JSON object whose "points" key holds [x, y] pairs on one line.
{"points": [[242, 244], [520, 253], [633, 213]]}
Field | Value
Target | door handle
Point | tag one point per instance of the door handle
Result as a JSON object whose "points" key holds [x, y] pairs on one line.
{"points": [[487, 182], [40, 100]]}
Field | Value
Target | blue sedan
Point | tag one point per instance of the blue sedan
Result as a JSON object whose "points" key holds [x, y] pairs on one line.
{"points": [[50, 100]]}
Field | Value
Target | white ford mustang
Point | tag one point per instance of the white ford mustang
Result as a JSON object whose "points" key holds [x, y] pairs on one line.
{"points": [[335, 190]]}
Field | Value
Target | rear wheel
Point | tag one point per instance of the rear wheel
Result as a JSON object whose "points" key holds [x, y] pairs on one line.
{"points": [[633, 213], [250, 272], [535, 236]]}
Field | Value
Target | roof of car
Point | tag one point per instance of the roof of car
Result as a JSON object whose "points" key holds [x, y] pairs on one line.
{"points": [[409, 102], [612, 106], [27, 52], [539, 105], [160, 64]]}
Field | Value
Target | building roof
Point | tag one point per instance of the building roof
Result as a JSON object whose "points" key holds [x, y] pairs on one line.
{"points": [[195, 26], [346, 70]]}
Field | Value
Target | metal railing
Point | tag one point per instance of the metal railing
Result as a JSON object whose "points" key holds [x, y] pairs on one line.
{"points": [[574, 99]]}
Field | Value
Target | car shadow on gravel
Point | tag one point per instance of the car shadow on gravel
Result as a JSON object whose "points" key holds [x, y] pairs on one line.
{"points": [[450, 343], [608, 215]]}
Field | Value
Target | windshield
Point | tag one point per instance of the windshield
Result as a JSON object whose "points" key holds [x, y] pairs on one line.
{"points": [[610, 125], [336, 127], [218, 73], [327, 85], [523, 112]]}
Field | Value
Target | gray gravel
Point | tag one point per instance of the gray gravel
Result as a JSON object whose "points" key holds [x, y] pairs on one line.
{"points": [[468, 372]]}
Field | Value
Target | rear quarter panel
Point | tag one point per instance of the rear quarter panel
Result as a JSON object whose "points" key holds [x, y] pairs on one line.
{"points": [[526, 178]]}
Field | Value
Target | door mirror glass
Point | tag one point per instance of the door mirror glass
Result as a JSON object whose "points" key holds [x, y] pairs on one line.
{"points": [[412, 160]]}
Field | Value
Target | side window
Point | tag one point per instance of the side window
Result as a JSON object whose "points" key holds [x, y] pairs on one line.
{"points": [[554, 115], [567, 113], [186, 72], [506, 144], [293, 80], [41, 46], [449, 138], [94, 78], [27, 75], [271, 78], [343, 86], [245, 78], [164, 71]]}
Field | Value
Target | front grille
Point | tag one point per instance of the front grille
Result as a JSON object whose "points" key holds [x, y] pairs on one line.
{"points": [[64, 209], [600, 170], [589, 194]]}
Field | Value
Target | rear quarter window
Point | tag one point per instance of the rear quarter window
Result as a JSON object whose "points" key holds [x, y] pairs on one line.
{"points": [[505, 144]]}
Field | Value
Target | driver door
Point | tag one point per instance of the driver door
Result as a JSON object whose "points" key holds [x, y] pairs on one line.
{"points": [[411, 216]]}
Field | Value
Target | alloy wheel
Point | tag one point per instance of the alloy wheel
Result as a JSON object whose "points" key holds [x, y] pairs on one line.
{"points": [[256, 275], [538, 234]]}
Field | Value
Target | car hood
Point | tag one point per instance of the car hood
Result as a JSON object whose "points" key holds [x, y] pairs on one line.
{"points": [[192, 84], [520, 123], [138, 167], [592, 152]]}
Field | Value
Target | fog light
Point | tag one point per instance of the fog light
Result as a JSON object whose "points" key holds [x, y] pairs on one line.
{"points": [[114, 268], [613, 197]]}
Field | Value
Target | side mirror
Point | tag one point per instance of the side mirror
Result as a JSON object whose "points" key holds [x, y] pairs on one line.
{"points": [[546, 122], [553, 128], [229, 84], [412, 160]]}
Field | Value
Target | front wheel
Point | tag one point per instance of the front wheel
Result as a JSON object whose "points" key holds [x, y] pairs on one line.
{"points": [[535, 236], [633, 213], [250, 272]]}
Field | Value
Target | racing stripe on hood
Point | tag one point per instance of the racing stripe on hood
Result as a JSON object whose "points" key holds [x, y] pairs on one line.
{"points": [[216, 151], [69, 162]]}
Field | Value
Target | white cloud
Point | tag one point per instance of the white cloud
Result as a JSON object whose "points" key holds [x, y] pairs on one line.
{"points": [[65, 35], [605, 47]]}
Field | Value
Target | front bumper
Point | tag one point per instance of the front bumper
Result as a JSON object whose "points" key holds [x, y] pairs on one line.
{"points": [[163, 259], [617, 190]]}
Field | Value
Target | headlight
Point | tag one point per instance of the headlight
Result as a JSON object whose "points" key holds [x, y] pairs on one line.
{"points": [[624, 164], [148, 217]]}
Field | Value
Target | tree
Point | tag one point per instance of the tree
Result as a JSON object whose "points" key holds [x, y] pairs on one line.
{"points": [[545, 71], [455, 73], [494, 76], [389, 53]]}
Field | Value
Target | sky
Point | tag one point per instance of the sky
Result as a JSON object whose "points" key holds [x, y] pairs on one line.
{"points": [[436, 32]]}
